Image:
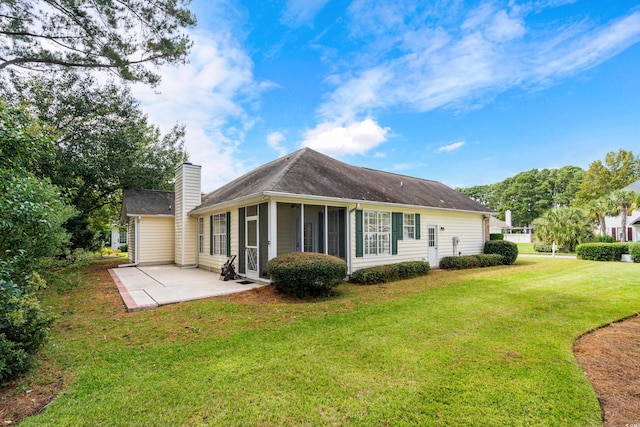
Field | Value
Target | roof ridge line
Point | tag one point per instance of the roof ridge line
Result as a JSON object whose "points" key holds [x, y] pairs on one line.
{"points": [[287, 168]]}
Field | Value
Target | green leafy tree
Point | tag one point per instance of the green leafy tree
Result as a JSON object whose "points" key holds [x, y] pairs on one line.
{"points": [[104, 144], [568, 227], [122, 36], [598, 209], [624, 201], [32, 213], [32, 210], [618, 170]]}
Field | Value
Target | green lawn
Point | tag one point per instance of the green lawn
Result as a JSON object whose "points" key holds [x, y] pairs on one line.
{"points": [[485, 347]]}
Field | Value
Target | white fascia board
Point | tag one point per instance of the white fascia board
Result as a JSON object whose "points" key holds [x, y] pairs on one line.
{"points": [[266, 195]]}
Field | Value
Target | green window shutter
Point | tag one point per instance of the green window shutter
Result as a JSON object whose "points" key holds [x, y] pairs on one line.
{"points": [[211, 235], [228, 233], [417, 224], [359, 234], [396, 231]]}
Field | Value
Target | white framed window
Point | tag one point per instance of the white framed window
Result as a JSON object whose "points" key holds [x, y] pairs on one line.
{"points": [[201, 234], [219, 234], [377, 232], [409, 226], [123, 234]]}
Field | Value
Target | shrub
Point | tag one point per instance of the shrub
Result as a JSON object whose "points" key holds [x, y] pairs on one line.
{"points": [[603, 238], [304, 274], [508, 250], [634, 251], [124, 248], [602, 251], [470, 261], [24, 324], [542, 247], [390, 272], [496, 236]]}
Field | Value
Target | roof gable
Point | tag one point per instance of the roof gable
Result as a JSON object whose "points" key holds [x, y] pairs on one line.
{"points": [[147, 202], [307, 172]]}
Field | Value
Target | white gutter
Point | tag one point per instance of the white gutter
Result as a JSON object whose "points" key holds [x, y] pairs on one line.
{"points": [[326, 200]]}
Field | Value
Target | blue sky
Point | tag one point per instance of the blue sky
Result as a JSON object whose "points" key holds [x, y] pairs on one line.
{"points": [[463, 92]]}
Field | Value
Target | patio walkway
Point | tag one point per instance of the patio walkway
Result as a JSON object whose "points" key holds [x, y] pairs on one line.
{"points": [[153, 286]]}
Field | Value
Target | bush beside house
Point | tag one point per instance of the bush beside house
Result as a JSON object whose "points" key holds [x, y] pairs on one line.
{"points": [[390, 272], [470, 261], [602, 251], [304, 274], [508, 250]]}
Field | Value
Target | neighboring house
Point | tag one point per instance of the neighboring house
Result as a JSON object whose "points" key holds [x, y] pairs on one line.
{"points": [[497, 226], [306, 201], [614, 223], [119, 236]]}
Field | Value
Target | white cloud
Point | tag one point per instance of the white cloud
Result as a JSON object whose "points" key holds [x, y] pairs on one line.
{"points": [[207, 95], [425, 61], [353, 138], [275, 140], [302, 12], [451, 147]]}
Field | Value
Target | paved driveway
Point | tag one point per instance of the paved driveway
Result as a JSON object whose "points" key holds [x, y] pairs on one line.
{"points": [[153, 286]]}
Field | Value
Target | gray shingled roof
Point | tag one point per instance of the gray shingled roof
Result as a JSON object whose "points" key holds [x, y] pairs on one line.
{"points": [[307, 172], [148, 202], [635, 186]]}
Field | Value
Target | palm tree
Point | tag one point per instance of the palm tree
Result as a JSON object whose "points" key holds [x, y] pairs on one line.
{"points": [[598, 209], [625, 201], [568, 227]]}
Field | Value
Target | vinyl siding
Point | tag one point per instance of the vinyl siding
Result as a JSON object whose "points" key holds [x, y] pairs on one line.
{"points": [[187, 189], [214, 262], [468, 227], [156, 240]]}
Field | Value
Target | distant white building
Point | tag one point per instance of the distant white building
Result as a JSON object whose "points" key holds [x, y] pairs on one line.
{"points": [[614, 223], [118, 236]]}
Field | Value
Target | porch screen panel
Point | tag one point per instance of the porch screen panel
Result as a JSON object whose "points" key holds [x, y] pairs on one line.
{"points": [[263, 220], [241, 246]]}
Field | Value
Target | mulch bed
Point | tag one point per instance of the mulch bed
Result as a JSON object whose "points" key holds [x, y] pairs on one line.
{"points": [[610, 356]]}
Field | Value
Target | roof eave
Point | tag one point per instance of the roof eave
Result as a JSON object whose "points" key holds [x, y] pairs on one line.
{"points": [[265, 195]]}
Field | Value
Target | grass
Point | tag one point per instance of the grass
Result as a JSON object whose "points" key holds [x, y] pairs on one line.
{"points": [[476, 347]]}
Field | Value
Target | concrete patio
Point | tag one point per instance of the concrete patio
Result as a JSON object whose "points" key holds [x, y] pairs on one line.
{"points": [[153, 286]]}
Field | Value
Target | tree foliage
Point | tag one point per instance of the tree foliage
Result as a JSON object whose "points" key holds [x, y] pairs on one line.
{"points": [[530, 193], [568, 227], [122, 36], [104, 143], [32, 212], [601, 179]]}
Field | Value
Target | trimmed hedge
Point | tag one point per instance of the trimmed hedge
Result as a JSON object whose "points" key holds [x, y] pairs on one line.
{"points": [[470, 261], [542, 247], [304, 274], [508, 250], [390, 272], [496, 236], [634, 251], [602, 251]]}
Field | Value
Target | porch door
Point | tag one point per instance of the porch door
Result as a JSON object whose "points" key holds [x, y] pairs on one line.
{"points": [[432, 245], [251, 247], [309, 243]]}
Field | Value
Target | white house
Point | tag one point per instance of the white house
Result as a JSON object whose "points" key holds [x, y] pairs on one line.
{"points": [[614, 223], [304, 201]]}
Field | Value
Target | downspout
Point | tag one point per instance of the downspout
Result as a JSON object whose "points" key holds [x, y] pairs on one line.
{"points": [[197, 264], [136, 246], [349, 252]]}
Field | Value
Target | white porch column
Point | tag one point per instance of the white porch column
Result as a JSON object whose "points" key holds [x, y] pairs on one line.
{"points": [[301, 227], [272, 234]]}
